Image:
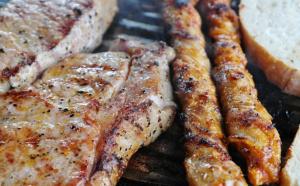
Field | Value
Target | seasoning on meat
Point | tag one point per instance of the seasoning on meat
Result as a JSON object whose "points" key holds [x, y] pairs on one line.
{"points": [[35, 35], [143, 108], [88, 109], [248, 123], [207, 161]]}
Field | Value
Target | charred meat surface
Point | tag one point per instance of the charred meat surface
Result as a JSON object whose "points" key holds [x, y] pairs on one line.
{"points": [[88, 110], [249, 125], [36, 34], [207, 161], [46, 136], [143, 109]]}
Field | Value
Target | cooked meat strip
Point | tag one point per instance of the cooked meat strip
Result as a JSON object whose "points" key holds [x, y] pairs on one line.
{"points": [[36, 34], [88, 108], [207, 160], [249, 125]]}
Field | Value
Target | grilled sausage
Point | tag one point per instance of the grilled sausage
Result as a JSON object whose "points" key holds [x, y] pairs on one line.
{"points": [[207, 161], [248, 123]]}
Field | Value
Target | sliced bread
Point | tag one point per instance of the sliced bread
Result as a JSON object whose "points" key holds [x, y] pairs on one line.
{"points": [[290, 174], [271, 35]]}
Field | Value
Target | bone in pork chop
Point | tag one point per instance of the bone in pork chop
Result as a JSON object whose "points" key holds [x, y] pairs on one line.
{"points": [[35, 34], [90, 110]]}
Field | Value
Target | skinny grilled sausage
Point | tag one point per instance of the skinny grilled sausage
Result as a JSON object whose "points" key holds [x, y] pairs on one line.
{"points": [[248, 123], [207, 161]]}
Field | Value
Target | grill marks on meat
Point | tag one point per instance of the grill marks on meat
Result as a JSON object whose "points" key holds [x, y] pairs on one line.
{"points": [[41, 145], [35, 34], [87, 108], [25, 28], [249, 124], [207, 161], [46, 138], [26, 59], [80, 78], [146, 108]]}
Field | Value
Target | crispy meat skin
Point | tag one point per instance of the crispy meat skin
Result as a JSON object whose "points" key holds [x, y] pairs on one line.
{"points": [[249, 124], [35, 35], [89, 108], [207, 161]]}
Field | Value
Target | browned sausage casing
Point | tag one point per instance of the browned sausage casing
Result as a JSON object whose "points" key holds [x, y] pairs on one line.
{"points": [[248, 123], [207, 161]]}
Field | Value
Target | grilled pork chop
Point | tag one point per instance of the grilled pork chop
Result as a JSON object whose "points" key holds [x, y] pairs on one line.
{"points": [[146, 108], [35, 34], [86, 109], [44, 137]]}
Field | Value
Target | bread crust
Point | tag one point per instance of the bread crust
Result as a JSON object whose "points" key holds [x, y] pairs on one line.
{"points": [[288, 175], [277, 71]]}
